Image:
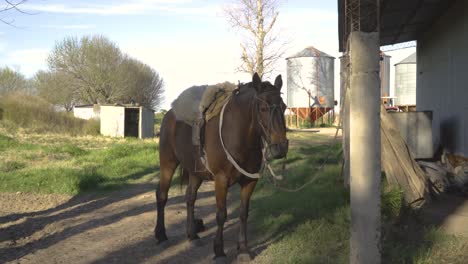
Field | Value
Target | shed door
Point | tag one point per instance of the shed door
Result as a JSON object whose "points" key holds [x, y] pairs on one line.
{"points": [[132, 121]]}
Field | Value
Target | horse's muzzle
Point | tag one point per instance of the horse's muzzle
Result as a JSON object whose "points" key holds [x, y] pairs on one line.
{"points": [[279, 150]]}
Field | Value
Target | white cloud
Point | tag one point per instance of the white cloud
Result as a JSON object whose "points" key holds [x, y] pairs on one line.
{"points": [[130, 8], [28, 61], [77, 27]]}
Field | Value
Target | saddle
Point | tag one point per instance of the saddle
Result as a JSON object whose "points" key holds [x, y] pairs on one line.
{"points": [[198, 104]]}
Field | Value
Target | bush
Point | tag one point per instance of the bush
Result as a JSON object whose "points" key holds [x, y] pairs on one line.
{"points": [[37, 115]]}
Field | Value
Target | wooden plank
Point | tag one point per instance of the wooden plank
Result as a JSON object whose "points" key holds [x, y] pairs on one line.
{"points": [[399, 164]]}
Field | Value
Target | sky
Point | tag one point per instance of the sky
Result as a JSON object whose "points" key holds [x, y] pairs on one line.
{"points": [[189, 42]]}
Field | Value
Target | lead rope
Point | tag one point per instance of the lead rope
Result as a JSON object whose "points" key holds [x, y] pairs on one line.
{"points": [[230, 158]]}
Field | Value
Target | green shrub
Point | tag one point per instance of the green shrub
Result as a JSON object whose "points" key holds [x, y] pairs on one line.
{"points": [[37, 115]]}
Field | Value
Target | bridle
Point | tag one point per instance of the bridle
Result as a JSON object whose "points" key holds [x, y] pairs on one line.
{"points": [[265, 142], [272, 109]]}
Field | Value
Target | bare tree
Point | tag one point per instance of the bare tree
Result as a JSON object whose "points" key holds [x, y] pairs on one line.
{"points": [[261, 48], [12, 5]]}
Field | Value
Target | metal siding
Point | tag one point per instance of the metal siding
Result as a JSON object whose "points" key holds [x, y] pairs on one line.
{"points": [[385, 75], [113, 121], [147, 123], [311, 73], [405, 84], [442, 78]]}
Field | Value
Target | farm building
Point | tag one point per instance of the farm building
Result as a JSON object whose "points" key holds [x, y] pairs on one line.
{"points": [[405, 81], [439, 27], [127, 121], [90, 111], [310, 84]]}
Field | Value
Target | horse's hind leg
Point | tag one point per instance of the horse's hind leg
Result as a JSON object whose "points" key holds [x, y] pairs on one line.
{"points": [[221, 188], [193, 225], [168, 164]]}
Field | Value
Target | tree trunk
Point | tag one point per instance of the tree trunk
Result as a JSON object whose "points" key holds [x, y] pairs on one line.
{"points": [[260, 38]]}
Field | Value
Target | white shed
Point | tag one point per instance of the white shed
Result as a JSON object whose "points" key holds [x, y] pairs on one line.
{"points": [[86, 111], [127, 121]]}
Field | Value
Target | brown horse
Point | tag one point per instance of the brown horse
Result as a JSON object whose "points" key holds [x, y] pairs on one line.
{"points": [[253, 121]]}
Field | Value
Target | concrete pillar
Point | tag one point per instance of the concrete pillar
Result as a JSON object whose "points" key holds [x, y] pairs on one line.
{"points": [[365, 148], [344, 113]]}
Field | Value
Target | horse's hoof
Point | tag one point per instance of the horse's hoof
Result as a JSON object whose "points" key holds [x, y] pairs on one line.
{"points": [[243, 258], [160, 238], [199, 226], [220, 260], [163, 244]]}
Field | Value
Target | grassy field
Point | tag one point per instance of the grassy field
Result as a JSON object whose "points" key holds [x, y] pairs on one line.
{"points": [[309, 226], [312, 225], [45, 163]]}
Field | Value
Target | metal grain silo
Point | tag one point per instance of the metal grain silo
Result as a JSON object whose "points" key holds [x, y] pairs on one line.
{"points": [[405, 81], [310, 79]]}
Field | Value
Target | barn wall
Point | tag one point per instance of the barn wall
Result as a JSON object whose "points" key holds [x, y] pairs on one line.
{"points": [[113, 121], [146, 123], [442, 80]]}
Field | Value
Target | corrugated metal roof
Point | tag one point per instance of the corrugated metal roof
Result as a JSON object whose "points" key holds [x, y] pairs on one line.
{"points": [[310, 52], [400, 20], [411, 59]]}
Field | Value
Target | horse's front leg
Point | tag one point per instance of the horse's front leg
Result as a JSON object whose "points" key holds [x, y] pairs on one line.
{"points": [[247, 187], [191, 196], [221, 188]]}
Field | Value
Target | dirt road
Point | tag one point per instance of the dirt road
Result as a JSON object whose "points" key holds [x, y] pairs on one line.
{"points": [[112, 228]]}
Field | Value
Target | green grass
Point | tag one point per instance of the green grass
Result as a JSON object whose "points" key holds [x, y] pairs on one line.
{"points": [[308, 226], [72, 165], [312, 225]]}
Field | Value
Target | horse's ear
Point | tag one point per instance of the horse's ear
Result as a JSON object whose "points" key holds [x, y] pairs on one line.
{"points": [[256, 81], [278, 82]]}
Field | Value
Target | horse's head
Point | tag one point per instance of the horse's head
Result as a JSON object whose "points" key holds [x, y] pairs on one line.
{"points": [[269, 109]]}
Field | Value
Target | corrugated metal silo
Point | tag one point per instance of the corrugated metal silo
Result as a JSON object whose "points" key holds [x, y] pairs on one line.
{"points": [[405, 81], [310, 71]]}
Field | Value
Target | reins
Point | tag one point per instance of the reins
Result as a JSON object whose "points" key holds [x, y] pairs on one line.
{"points": [[230, 158]]}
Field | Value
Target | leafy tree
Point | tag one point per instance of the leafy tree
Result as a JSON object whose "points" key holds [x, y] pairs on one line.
{"points": [[12, 81], [98, 72], [261, 48], [144, 85], [57, 88], [92, 63]]}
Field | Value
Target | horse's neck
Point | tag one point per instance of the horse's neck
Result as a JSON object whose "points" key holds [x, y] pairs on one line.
{"points": [[244, 119]]}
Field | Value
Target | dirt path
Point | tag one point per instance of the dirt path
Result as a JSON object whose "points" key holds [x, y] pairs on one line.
{"points": [[114, 228]]}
